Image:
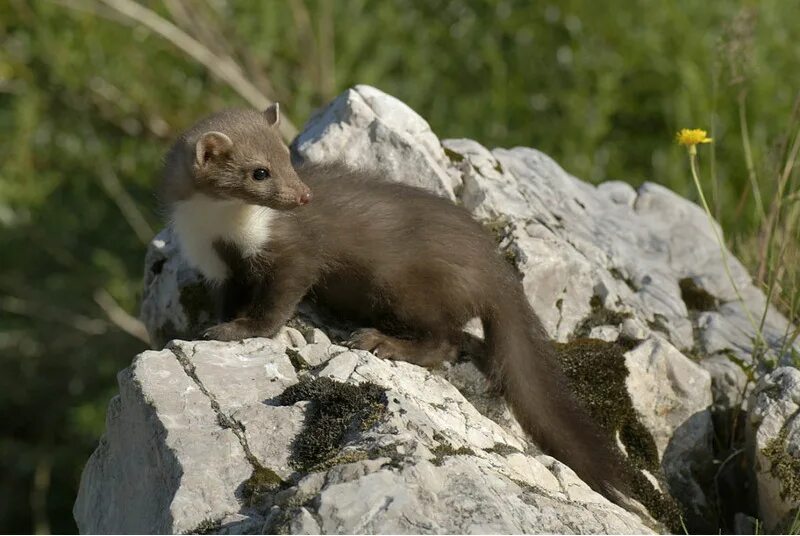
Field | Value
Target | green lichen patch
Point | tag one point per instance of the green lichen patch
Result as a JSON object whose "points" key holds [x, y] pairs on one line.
{"points": [[659, 323], [596, 373], [336, 409], [295, 359], [696, 297], [784, 466], [197, 304], [503, 449], [499, 229], [697, 351], [445, 450], [262, 481], [351, 456], [453, 156], [627, 280], [395, 458], [526, 487], [207, 526], [511, 255], [599, 316]]}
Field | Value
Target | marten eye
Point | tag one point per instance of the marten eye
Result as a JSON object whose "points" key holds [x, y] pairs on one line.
{"points": [[260, 174]]}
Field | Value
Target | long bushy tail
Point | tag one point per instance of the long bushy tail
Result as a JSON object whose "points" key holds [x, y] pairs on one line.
{"points": [[523, 364]]}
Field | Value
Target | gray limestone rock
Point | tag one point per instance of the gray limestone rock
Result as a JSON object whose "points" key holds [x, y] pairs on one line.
{"points": [[165, 463], [672, 396], [773, 442], [175, 301], [365, 127], [196, 421]]}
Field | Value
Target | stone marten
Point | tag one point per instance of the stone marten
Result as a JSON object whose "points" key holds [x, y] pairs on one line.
{"points": [[411, 267]]}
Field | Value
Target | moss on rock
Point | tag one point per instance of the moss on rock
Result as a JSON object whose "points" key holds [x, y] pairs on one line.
{"points": [[599, 316], [336, 409], [445, 450], [784, 467], [453, 156], [620, 276], [295, 359], [503, 450], [696, 297], [499, 229], [262, 481], [350, 456], [596, 372], [659, 323], [207, 526]]}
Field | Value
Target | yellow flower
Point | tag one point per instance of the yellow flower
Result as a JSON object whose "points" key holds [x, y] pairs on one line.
{"points": [[692, 136]]}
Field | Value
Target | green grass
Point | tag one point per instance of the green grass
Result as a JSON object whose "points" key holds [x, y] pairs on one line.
{"points": [[772, 251]]}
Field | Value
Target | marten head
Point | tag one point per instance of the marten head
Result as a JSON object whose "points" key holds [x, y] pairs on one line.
{"points": [[236, 155]]}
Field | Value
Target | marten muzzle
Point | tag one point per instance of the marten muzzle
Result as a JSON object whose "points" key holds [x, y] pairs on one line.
{"points": [[305, 197]]}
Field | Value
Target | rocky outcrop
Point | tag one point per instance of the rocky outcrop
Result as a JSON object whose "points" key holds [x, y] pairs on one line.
{"points": [[238, 438], [629, 281]]}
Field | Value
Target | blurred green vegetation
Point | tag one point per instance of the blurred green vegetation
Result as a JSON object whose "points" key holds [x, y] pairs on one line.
{"points": [[89, 101]]}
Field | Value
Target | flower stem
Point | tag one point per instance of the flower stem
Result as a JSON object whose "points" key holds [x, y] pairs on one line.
{"points": [[721, 243]]}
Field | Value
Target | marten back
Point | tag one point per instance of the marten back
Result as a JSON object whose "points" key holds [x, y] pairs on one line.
{"points": [[406, 238], [429, 262]]}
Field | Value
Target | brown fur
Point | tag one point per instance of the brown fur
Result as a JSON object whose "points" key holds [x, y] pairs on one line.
{"points": [[417, 268]]}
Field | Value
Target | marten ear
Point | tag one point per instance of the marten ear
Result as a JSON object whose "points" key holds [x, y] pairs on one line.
{"points": [[212, 145], [273, 115]]}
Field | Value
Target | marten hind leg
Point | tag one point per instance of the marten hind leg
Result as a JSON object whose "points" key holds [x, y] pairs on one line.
{"points": [[426, 352]]}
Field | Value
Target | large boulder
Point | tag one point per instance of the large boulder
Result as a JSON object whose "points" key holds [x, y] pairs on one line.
{"points": [[366, 127], [626, 280]]}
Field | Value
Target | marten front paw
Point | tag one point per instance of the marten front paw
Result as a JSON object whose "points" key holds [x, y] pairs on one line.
{"points": [[373, 341], [231, 331]]}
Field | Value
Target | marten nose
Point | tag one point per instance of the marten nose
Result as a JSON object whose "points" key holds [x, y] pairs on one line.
{"points": [[304, 198]]}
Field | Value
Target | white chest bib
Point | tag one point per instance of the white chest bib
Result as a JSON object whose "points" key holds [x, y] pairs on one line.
{"points": [[200, 221]]}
